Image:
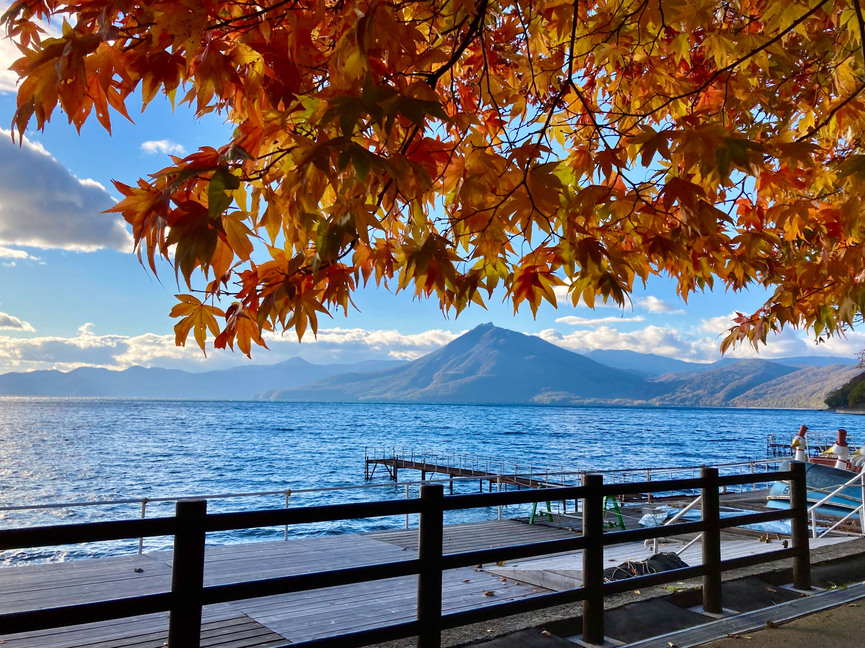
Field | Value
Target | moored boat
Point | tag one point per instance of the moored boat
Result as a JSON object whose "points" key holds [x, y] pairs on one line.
{"points": [[825, 475]]}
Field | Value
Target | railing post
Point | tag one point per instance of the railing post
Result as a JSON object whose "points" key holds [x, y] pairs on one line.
{"points": [[407, 496], [187, 575], [799, 527], [429, 581], [143, 515], [711, 508], [287, 502], [593, 560]]}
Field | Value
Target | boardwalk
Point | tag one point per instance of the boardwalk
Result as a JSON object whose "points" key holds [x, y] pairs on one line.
{"points": [[276, 620], [266, 621]]}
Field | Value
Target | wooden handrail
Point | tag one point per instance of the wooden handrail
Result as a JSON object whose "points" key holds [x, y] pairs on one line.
{"points": [[191, 523]]}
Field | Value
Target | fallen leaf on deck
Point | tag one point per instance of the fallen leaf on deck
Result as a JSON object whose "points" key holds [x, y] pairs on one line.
{"points": [[546, 633], [489, 593], [467, 580]]}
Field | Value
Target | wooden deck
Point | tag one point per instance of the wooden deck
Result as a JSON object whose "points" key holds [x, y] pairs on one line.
{"points": [[276, 620], [271, 620]]}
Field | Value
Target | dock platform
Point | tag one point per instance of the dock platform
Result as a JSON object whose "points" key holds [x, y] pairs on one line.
{"points": [[487, 470]]}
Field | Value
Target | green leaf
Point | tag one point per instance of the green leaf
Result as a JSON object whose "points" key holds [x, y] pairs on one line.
{"points": [[218, 198]]}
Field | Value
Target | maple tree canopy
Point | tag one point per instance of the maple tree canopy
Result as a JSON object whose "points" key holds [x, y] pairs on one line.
{"points": [[452, 147]]}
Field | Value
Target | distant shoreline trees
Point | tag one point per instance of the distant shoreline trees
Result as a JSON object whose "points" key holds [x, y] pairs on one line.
{"points": [[849, 396]]}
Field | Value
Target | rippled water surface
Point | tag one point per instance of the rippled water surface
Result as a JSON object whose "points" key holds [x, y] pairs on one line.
{"points": [[71, 450]]}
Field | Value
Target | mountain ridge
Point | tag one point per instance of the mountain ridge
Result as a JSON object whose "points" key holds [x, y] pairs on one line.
{"points": [[485, 365]]}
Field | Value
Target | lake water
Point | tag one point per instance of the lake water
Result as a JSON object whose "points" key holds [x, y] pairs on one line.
{"points": [[72, 450]]}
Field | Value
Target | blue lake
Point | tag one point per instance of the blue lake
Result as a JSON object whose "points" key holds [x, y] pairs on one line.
{"points": [[72, 450]]}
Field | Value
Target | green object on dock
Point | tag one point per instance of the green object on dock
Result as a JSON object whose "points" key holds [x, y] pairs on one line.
{"points": [[549, 513], [619, 522]]}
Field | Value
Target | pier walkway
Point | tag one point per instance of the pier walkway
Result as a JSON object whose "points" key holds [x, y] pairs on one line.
{"points": [[274, 620], [456, 466]]}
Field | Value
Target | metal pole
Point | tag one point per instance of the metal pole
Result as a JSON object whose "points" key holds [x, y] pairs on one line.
{"points": [[187, 575], [499, 490], [593, 560], [287, 498], [649, 495], [862, 509], [711, 508], [799, 527], [143, 514], [429, 581], [407, 497]]}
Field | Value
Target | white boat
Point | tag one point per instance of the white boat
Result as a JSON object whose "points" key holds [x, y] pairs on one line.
{"points": [[825, 474]]}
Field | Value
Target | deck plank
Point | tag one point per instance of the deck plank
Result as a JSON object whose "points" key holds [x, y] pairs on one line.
{"points": [[297, 616]]}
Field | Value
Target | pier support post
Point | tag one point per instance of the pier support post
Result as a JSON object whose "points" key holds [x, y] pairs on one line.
{"points": [[711, 508], [593, 560], [429, 582], [187, 575], [799, 527]]}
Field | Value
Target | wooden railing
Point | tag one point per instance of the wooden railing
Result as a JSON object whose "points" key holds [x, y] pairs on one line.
{"points": [[191, 523]]}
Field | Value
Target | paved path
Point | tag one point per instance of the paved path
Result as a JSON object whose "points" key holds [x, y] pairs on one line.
{"points": [[841, 627]]}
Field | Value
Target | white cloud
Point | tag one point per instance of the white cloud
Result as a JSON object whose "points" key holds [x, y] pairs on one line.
{"points": [[346, 345], [8, 54], [655, 305], [588, 321], [11, 322], [390, 342], [166, 147], [717, 325], [651, 339], [88, 348], [564, 299], [16, 255], [42, 205]]}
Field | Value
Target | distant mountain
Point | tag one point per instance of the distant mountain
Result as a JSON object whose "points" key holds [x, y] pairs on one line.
{"points": [[493, 365], [646, 364], [806, 388], [756, 383], [486, 365], [817, 361], [236, 383], [649, 364], [717, 387]]}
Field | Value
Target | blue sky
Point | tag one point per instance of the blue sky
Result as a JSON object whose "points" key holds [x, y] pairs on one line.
{"points": [[73, 294]]}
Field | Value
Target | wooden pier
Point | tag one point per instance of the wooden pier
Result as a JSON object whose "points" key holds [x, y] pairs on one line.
{"points": [[468, 467]]}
